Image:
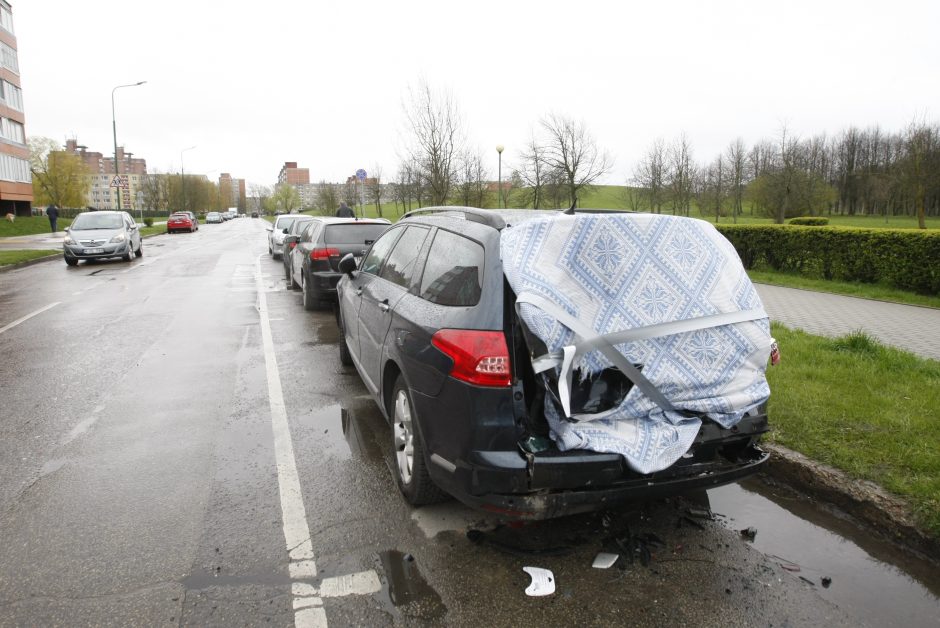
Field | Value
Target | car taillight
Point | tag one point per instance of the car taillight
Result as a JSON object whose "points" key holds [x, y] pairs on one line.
{"points": [[292, 245], [316, 254], [480, 357]]}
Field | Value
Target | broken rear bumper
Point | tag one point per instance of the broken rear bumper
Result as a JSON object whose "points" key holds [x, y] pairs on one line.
{"points": [[678, 479]]}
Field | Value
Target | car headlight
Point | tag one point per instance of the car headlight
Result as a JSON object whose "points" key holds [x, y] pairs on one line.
{"points": [[118, 238], [68, 240]]}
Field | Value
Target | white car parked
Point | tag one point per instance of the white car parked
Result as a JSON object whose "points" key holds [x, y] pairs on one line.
{"points": [[277, 232]]}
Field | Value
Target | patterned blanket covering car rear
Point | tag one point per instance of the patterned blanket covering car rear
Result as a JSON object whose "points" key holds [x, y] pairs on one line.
{"points": [[663, 299]]}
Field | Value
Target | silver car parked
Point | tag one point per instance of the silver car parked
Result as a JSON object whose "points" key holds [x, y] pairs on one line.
{"points": [[100, 235]]}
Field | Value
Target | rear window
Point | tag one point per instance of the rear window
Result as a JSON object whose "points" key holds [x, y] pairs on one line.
{"points": [[353, 233], [453, 274]]}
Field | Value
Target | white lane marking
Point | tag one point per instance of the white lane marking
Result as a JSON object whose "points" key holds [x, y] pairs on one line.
{"points": [[362, 583], [294, 515], [28, 316]]}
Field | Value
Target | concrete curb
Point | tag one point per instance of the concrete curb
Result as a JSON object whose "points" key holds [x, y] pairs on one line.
{"points": [[888, 515]]}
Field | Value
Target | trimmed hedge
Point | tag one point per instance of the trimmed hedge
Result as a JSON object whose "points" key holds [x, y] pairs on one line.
{"points": [[909, 260], [810, 221]]}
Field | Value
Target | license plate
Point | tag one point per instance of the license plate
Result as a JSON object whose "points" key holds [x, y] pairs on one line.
{"points": [[93, 251]]}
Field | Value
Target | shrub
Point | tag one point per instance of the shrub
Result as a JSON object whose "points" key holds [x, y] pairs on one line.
{"points": [[810, 221], [909, 260], [148, 221]]}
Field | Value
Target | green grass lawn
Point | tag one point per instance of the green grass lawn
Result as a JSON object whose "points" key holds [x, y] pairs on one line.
{"points": [[15, 257], [870, 410], [29, 225]]}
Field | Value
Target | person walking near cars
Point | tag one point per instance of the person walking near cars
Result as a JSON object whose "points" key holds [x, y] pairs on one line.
{"points": [[344, 211], [53, 212]]}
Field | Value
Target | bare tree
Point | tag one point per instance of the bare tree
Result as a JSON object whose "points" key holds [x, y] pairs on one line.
{"points": [[437, 139], [681, 175], [374, 190], [737, 160], [472, 180], [533, 173], [923, 151], [573, 154], [650, 175], [327, 198]]}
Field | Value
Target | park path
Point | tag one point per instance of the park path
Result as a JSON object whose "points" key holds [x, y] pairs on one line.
{"points": [[909, 327]]}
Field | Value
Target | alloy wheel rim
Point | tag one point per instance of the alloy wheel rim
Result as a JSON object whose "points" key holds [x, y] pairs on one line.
{"points": [[404, 437]]}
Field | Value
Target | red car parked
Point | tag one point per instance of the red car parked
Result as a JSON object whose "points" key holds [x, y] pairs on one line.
{"points": [[182, 221]]}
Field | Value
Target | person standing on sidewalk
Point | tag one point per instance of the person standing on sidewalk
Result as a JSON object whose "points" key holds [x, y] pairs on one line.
{"points": [[53, 212]]}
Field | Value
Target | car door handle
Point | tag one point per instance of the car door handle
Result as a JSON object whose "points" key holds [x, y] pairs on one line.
{"points": [[383, 305]]}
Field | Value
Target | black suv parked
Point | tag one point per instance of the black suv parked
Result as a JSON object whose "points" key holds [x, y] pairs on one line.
{"points": [[428, 319]]}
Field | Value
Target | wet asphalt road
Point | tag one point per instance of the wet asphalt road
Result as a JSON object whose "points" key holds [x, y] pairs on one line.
{"points": [[140, 484]]}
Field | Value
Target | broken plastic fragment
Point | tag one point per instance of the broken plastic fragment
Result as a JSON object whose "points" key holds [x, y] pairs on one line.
{"points": [[543, 581], [605, 560], [749, 534]]}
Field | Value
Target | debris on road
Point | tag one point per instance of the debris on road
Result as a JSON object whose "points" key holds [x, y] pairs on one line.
{"points": [[749, 534], [543, 581], [604, 560]]}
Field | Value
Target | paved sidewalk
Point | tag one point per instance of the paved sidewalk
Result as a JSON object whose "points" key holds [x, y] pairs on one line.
{"points": [[36, 241], [908, 327]]}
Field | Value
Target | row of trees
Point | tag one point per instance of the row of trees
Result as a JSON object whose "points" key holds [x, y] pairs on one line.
{"points": [[858, 172], [440, 166]]}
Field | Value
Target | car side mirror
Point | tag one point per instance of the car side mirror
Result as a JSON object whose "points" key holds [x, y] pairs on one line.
{"points": [[347, 264], [284, 231], [269, 228]]}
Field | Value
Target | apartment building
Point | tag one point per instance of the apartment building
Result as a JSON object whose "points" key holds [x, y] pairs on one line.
{"points": [[102, 194], [293, 175], [16, 187], [233, 190]]}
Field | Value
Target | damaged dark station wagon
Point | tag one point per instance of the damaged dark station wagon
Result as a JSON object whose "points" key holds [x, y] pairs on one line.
{"points": [[433, 326]]}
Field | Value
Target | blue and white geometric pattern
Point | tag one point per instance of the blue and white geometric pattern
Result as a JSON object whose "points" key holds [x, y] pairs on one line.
{"points": [[628, 271]]}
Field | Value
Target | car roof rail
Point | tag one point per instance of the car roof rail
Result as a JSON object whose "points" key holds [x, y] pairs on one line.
{"points": [[474, 214]]}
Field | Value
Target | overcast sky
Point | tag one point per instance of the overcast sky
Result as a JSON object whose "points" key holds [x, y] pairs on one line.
{"points": [[255, 84]]}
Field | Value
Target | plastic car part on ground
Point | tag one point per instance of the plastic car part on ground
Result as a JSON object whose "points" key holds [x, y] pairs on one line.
{"points": [[543, 581], [671, 295]]}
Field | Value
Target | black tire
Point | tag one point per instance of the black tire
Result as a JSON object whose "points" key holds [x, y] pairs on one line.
{"points": [[310, 298], [415, 483], [287, 272], [344, 357], [140, 250], [292, 283], [71, 261], [130, 253]]}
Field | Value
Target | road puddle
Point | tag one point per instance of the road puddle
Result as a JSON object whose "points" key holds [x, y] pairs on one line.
{"points": [[405, 590], [863, 575]]}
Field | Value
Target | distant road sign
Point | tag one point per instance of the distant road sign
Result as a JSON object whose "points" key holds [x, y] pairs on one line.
{"points": [[361, 174], [119, 181]]}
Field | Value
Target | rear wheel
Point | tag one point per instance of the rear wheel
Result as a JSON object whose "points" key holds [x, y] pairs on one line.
{"points": [[140, 250], [310, 298], [344, 358], [408, 446]]}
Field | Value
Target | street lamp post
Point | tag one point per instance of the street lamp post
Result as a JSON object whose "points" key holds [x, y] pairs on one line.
{"points": [[117, 167], [499, 149], [183, 176]]}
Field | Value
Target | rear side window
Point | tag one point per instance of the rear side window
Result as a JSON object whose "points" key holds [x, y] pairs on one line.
{"points": [[379, 251], [285, 223], [453, 274], [353, 233], [309, 230], [400, 266]]}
